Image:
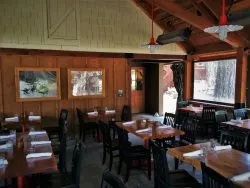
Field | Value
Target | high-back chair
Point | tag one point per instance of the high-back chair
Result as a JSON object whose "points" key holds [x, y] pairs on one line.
{"points": [[238, 140], [242, 113], [208, 121], [220, 116], [126, 113], [110, 180], [163, 177], [189, 127], [212, 179], [169, 119]]}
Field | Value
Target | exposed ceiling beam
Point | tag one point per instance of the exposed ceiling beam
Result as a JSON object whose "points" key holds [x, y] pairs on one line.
{"points": [[213, 7], [146, 8], [240, 5], [197, 21]]}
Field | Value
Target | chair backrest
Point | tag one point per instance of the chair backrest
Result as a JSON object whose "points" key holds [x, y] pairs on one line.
{"points": [[126, 113], [212, 179], [62, 150], [189, 127], [76, 164], [123, 140], [169, 119], [64, 114], [161, 170], [182, 104], [110, 180], [208, 113], [238, 140], [221, 116], [242, 112], [80, 116]]}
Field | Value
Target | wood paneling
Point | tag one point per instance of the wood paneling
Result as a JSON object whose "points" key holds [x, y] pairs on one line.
{"points": [[116, 78]]}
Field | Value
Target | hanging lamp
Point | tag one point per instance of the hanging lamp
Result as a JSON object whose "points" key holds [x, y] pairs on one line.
{"points": [[223, 28], [152, 45]]}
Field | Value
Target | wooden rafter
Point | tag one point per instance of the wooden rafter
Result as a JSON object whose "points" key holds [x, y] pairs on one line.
{"points": [[213, 7], [146, 8], [240, 5], [197, 21]]}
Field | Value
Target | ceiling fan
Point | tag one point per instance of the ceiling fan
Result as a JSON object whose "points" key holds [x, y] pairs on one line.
{"points": [[223, 28]]}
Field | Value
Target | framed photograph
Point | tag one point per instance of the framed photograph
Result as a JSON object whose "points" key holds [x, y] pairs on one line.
{"points": [[86, 83], [37, 84]]}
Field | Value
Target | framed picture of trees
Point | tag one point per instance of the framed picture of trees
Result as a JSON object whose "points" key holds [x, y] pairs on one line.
{"points": [[37, 84], [86, 83]]}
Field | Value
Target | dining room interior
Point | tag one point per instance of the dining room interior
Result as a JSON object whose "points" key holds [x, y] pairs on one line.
{"points": [[124, 93]]}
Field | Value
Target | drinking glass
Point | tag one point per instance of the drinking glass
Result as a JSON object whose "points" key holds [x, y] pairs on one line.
{"points": [[238, 118], [212, 144]]}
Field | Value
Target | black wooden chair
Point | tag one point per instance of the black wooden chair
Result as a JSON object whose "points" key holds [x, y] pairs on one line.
{"points": [[110, 180], [110, 145], [67, 180], [169, 119], [128, 153], [220, 116], [85, 127], [207, 121], [237, 139], [163, 177], [242, 113], [126, 113], [212, 179]]}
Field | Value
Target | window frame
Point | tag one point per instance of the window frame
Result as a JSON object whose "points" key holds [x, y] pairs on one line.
{"points": [[192, 84]]}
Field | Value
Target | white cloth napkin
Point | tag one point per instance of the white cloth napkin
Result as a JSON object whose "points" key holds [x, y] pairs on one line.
{"points": [[34, 118], [36, 133], [218, 148], [5, 162], [129, 123], [193, 153], [110, 111], [144, 130], [5, 146], [164, 127], [7, 136], [12, 119], [236, 121], [93, 113], [34, 155], [40, 143], [241, 177], [199, 152]]}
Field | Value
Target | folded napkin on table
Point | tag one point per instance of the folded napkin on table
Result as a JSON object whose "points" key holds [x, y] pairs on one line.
{"points": [[236, 121], [144, 130], [37, 132], [109, 111], [241, 177], [218, 148], [5, 162], [129, 123], [199, 152], [92, 113], [12, 119], [164, 127], [34, 118], [40, 143], [7, 136], [34, 155], [5, 146]]}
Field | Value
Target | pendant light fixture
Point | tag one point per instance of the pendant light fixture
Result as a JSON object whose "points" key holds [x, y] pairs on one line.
{"points": [[152, 45], [223, 28]]}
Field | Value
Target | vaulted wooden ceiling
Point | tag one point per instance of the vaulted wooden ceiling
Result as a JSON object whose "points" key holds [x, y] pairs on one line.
{"points": [[197, 14]]}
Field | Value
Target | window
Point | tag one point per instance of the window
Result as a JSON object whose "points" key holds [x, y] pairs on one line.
{"points": [[136, 79], [215, 80]]}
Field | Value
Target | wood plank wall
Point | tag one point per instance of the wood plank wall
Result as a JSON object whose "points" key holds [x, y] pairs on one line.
{"points": [[117, 77]]}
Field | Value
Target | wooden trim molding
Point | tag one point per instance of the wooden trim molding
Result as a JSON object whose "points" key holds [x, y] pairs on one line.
{"points": [[188, 72]]}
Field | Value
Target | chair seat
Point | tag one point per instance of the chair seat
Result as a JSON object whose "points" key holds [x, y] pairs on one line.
{"points": [[115, 145], [181, 178], [57, 180]]}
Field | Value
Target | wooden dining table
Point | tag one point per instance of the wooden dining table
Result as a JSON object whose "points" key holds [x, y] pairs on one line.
{"points": [[101, 115], [154, 133], [243, 124], [19, 166], [228, 162], [192, 109]]}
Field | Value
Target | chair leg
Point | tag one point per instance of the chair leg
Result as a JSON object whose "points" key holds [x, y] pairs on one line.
{"points": [[149, 169], [120, 165], [129, 164], [176, 163], [111, 160], [104, 155]]}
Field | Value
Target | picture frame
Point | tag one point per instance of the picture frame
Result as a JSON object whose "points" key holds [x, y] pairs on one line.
{"points": [[37, 84], [86, 83]]}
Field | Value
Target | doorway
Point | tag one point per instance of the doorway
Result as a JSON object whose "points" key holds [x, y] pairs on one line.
{"points": [[137, 89]]}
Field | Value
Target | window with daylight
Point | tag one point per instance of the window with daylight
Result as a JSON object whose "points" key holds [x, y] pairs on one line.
{"points": [[215, 80]]}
